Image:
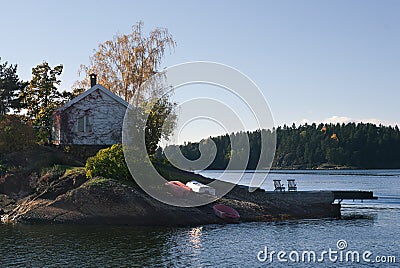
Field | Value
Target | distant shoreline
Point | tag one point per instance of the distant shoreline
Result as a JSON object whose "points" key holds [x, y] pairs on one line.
{"points": [[302, 169], [350, 172]]}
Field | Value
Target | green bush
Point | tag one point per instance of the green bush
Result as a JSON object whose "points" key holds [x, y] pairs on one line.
{"points": [[108, 163], [15, 135]]}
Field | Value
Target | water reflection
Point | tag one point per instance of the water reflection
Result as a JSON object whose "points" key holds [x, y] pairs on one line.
{"points": [[195, 237]]}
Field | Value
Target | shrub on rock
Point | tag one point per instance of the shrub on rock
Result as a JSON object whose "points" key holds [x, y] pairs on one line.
{"points": [[108, 163]]}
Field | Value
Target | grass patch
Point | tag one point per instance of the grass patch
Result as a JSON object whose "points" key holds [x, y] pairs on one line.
{"points": [[70, 170], [99, 182], [55, 171]]}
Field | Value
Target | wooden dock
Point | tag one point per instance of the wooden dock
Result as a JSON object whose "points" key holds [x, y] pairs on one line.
{"points": [[353, 195], [318, 204]]}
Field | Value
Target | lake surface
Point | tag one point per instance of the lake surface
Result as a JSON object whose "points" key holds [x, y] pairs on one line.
{"points": [[371, 226]]}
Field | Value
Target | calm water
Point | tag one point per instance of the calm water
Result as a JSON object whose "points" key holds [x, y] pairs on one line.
{"points": [[370, 226]]}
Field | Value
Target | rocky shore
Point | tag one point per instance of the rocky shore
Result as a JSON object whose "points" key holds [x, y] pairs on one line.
{"points": [[74, 199]]}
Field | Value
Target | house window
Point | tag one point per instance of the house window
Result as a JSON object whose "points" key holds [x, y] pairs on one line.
{"points": [[84, 124]]}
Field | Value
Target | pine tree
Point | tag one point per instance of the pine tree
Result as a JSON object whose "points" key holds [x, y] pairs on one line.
{"points": [[41, 98], [10, 87]]}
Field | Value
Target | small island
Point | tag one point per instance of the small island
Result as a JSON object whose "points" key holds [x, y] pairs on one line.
{"points": [[63, 193]]}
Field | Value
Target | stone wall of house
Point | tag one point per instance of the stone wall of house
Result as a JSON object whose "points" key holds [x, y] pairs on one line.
{"points": [[104, 119]]}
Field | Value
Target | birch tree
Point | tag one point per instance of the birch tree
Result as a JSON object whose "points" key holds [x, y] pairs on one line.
{"points": [[128, 66], [126, 61]]}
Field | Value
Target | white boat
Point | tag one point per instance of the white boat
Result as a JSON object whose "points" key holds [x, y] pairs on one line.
{"points": [[200, 188]]}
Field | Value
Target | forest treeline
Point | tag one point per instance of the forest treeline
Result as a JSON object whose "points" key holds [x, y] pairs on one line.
{"points": [[361, 145]]}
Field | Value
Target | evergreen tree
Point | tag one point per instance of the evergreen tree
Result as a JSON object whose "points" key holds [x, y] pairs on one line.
{"points": [[10, 87], [41, 98], [353, 145]]}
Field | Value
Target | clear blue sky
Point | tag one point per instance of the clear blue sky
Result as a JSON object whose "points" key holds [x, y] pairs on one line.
{"points": [[314, 60]]}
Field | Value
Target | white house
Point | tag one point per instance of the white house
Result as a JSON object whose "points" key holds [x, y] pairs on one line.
{"points": [[93, 118]]}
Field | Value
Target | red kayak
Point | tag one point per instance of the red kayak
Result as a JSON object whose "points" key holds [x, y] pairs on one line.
{"points": [[227, 213], [178, 188]]}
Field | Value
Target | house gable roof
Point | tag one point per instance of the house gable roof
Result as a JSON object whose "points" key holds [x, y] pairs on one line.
{"points": [[90, 91]]}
